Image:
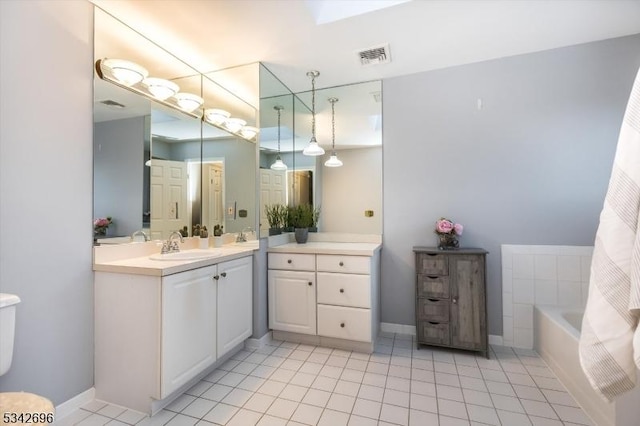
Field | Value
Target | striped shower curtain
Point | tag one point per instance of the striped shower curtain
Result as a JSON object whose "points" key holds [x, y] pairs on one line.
{"points": [[610, 340]]}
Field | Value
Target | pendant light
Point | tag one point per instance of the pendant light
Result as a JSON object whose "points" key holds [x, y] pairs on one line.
{"points": [[279, 164], [313, 148], [333, 161]]}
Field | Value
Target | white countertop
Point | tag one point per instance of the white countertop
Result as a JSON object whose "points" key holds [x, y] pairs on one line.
{"points": [[144, 265], [328, 247]]}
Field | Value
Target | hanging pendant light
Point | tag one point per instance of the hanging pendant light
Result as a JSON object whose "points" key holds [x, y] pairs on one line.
{"points": [[278, 164], [333, 161], [313, 148]]}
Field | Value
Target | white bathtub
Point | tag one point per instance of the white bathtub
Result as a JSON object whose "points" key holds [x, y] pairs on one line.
{"points": [[556, 336]]}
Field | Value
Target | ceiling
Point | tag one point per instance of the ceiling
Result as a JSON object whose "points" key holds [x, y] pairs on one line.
{"points": [[294, 36]]}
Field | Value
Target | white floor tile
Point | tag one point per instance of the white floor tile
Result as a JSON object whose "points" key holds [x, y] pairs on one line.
{"points": [[333, 418], [272, 387], [94, 420], [73, 418], [316, 397], [571, 414], [394, 397], [259, 402], [307, 414], [182, 420], [422, 418], [344, 387], [282, 408], [394, 414], [244, 418], [399, 384], [538, 408], [482, 414], [451, 408], [507, 403], [342, 403], [355, 420], [159, 419], [271, 421], [367, 408], [449, 392], [423, 403], [324, 383], [221, 413], [511, 418], [111, 411], [131, 417], [452, 421], [477, 397], [372, 393], [199, 408], [293, 392]]}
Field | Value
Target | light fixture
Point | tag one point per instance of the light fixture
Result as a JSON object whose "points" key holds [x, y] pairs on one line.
{"points": [[249, 132], [160, 88], [188, 101], [333, 161], [125, 72], [235, 124], [313, 148], [216, 116], [278, 164]]}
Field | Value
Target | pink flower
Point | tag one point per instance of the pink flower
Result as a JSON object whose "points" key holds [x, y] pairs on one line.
{"points": [[444, 226], [458, 229]]}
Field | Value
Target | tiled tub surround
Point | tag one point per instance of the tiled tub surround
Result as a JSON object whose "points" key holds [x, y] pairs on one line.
{"points": [[296, 384], [540, 275]]}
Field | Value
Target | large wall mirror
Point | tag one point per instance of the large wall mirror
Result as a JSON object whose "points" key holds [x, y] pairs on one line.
{"points": [[159, 167], [349, 197]]}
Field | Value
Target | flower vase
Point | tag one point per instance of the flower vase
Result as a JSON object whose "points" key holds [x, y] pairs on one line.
{"points": [[447, 242], [100, 232]]}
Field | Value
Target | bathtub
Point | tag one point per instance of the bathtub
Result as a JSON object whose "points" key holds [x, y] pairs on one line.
{"points": [[556, 336]]}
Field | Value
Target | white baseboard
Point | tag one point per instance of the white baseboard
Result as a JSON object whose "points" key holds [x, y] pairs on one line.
{"points": [[75, 403], [388, 327], [255, 344], [496, 340]]}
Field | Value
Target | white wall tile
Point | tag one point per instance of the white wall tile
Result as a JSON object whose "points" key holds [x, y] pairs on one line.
{"points": [[522, 316], [569, 293], [507, 330], [569, 268], [523, 290], [545, 267], [546, 292], [522, 266], [523, 338], [507, 305], [507, 282], [585, 264]]}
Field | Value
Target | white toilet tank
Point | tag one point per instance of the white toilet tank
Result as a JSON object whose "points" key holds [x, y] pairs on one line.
{"points": [[8, 304]]}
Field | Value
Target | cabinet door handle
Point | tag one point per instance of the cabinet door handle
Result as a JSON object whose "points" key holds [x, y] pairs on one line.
{"points": [[435, 300], [455, 300], [342, 290], [215, 277], [342, 324], [289, 261], [224, 274], [432, 277], [341, 264], [433, 322], [310, 283]]}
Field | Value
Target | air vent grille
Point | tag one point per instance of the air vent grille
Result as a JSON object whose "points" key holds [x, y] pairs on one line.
{"points": [[375, 55]]}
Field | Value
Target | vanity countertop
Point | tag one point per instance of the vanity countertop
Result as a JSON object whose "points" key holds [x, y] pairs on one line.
{"points": [[328, 247], [144, 265]]}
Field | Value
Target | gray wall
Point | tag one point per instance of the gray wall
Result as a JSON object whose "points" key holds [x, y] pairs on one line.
{"points": [[46, 193], [530, 167], [118, 147]]}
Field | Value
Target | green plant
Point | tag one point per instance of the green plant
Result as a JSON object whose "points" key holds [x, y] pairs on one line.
{"points": [[316, 216], [217, 230], [303, 216], [273, 215]]}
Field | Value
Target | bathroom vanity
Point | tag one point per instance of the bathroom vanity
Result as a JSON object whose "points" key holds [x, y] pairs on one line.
{"points": [[325, 293], [160, 325]]}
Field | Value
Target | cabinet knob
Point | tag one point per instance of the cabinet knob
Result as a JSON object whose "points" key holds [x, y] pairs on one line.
{"points": [[342, 324], [289, 261], [224, 274], [342, 290], [341, 264], [310, 283], [455, 300], [215, 277]]}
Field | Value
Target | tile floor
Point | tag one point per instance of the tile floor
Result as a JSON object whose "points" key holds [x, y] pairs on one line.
{"points": [[293, 384]]}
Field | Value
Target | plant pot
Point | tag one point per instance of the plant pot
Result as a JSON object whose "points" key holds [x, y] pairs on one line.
{"points": [[302, 234], [275, 231], [217, 241], [447, 242], [288, 229], [313, 229]]}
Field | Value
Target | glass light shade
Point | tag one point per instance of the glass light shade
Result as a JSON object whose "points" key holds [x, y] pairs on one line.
{"points": [[160, 88], [333, 161], [125, 72], [188, 101], [278, 164], [313, 149], [235, 124], [249, 132], [216, 116]]}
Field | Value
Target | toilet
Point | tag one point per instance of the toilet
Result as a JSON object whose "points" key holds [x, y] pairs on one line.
{"points": [[20, 407]]}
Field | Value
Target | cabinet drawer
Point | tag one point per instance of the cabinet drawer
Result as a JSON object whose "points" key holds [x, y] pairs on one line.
{"points": [[344, 323], [432, 264], [434, 286], [344, 264], [344, 289], [433, 332], [433, 309], [292, 262]]}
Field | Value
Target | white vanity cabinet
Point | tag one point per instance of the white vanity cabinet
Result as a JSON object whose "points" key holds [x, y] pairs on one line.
{"points": [[330, 299], [155, 334]]}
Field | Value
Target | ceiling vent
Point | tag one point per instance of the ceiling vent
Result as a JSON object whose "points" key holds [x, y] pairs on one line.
{"points": [[375, 55], [112, 104]]}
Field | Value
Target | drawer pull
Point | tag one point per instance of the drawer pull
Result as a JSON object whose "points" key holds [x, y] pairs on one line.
{"points": [[342, 290], [342, 324], [431, 254], [215, 277], [433, 322], [310, 283], [289, 261], [341, 264], [455, 300], [432, 277], [433, 300], [224, 274]]}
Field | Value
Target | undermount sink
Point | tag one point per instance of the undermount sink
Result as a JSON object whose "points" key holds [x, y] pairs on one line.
{"points": [[194, 254]]}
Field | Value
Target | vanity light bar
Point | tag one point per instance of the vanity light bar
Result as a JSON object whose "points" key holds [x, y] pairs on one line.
{"points": [[134, 77]]}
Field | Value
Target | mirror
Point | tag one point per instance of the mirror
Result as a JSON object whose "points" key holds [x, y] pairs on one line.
{"points": [[158, 167]]}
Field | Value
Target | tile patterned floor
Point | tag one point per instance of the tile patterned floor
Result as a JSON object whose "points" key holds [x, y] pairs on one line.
{"points": [[292, 384]]}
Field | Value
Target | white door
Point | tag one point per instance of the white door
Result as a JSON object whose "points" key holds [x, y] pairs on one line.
{"points": [[188, 326], [292, 301], [235, 303], [168, 197], [273, 189]]}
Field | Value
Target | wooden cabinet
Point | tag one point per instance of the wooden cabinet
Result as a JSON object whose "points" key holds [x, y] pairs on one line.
{"points": [[451, 298], [235, 303]]}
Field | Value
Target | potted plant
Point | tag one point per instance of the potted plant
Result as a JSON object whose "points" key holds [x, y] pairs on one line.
{"points": [[274, 217], [217, 236], [302, 220], [316, 218], [448, 232], [289, 218]]}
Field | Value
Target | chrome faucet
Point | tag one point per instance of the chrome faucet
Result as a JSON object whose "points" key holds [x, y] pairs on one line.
{"points": [[242, 236], [140, 232], [171, 245]]}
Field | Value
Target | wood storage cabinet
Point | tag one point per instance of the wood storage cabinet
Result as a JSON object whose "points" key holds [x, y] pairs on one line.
{"points": [[451, 308]]}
